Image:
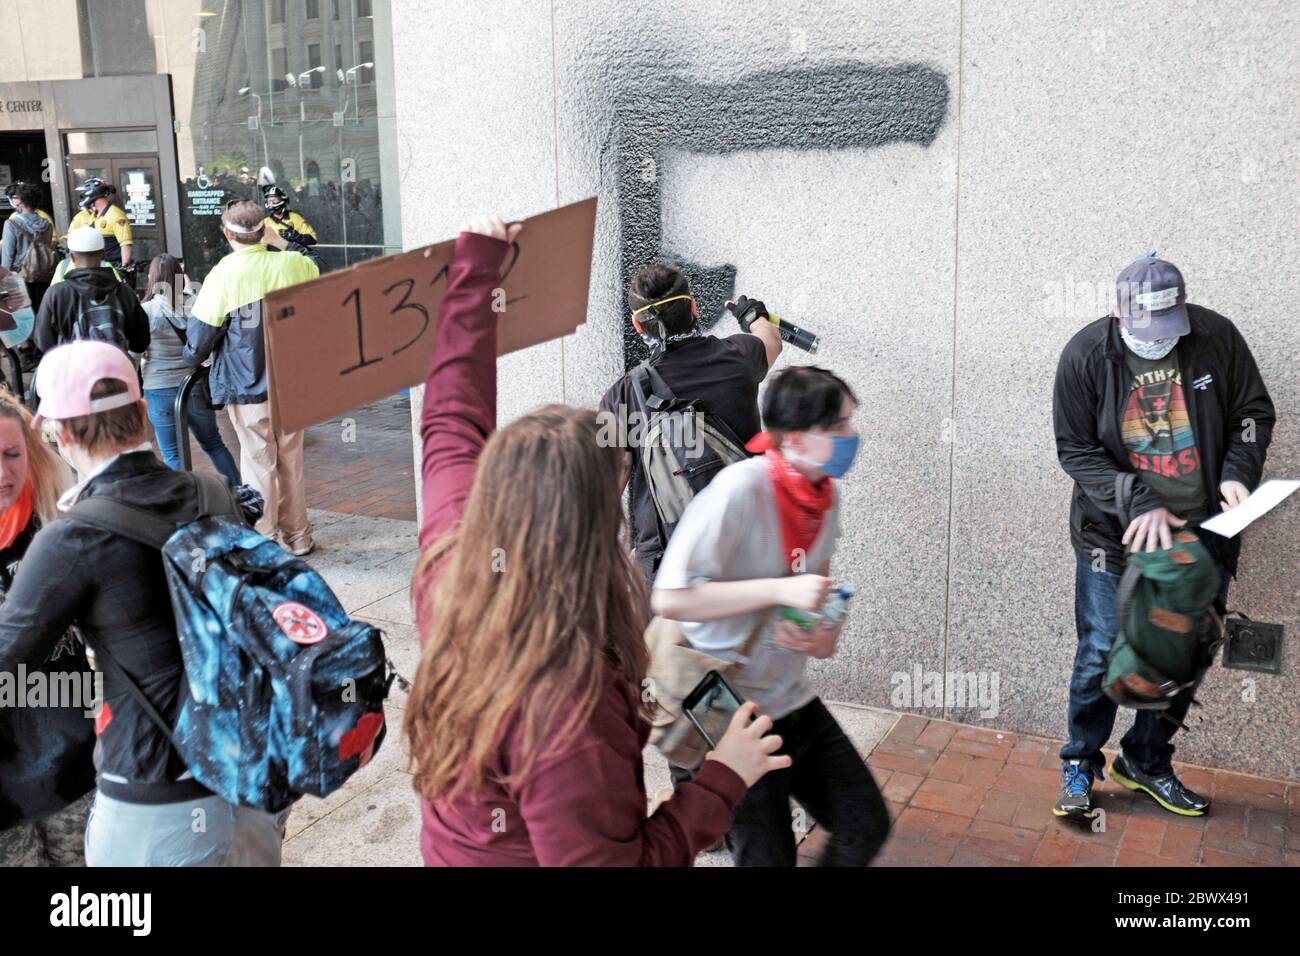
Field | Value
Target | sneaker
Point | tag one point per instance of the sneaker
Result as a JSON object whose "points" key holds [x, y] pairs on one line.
{"points": [[1075, 798], [1166, 790]]}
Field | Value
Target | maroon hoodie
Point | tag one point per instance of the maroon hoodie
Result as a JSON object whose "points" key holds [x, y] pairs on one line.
{"points": [[587, 805]]}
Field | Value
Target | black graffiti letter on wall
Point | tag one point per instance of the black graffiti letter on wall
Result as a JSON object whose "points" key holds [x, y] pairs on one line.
{"points": [[842, 106]]}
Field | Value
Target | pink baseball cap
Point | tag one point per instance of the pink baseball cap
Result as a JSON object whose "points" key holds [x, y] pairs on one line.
{"points": [[67, 374]]}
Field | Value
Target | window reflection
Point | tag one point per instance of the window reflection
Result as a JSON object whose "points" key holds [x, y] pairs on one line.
{"points": [[287, 94], [287, 91]]}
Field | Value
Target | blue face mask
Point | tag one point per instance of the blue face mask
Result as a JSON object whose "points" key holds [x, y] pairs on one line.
{"points": [[844, 448]]}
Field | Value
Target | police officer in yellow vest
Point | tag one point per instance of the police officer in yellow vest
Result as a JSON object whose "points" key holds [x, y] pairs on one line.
{"points": [[288, 224], [99, 210]]}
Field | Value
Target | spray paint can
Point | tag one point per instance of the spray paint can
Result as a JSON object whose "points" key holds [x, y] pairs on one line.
{"points": [[789, 332]]}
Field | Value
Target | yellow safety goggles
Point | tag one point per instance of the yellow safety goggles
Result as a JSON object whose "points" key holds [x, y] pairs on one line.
{"points": [[671, 298]]}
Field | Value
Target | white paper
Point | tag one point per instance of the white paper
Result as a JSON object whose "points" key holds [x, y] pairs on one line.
{"points": [[1266, 497]]}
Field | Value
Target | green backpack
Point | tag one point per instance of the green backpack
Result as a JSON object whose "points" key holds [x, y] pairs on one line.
{"points": [[1169, 625]]}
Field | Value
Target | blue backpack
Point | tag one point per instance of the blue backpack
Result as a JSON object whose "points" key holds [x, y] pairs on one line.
{"points": [[285, 692]]}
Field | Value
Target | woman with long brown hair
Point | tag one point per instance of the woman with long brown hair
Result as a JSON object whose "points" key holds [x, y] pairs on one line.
{"points": [[526, 721], [46, 770]]}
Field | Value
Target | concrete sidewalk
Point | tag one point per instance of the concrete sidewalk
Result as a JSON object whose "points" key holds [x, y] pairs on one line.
{"points": [[959, 795]]}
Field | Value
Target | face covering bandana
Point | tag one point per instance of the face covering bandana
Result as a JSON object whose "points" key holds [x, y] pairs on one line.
{"points": [[657, 346], [801, 506], [844, 448], [1151, 351]]}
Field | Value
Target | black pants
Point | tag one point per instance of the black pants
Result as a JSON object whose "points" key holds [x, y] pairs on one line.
{"points": [[830, 781]]}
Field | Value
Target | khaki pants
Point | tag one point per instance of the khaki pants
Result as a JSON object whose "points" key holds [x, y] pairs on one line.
{"points": [[271, 462]]}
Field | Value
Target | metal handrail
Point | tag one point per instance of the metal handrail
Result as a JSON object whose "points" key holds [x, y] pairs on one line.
{"points": [[354, 245], [180, 411]]}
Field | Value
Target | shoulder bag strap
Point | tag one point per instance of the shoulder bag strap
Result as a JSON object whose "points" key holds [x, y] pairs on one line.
{"points": [[1124, 494], [138, 695]]}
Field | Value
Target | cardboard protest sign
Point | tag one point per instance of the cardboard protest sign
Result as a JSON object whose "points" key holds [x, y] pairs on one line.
{"points": [[364, 333]]}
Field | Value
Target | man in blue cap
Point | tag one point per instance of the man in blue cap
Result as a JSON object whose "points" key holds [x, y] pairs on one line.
{"points": [[1167, 390]]}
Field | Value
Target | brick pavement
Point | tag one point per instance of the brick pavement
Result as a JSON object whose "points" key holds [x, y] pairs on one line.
{"points": [[359, 463], [958, 794], [967, 796]]}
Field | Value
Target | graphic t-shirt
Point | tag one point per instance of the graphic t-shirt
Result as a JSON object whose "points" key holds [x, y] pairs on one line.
{"points": [[1157, 432]]}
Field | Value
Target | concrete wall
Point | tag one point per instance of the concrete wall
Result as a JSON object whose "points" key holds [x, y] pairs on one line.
{"points": [[942, 191]]}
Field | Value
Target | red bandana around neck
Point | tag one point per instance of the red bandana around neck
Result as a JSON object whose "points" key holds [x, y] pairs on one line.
{"points": [[16, 517], [800, 504]]}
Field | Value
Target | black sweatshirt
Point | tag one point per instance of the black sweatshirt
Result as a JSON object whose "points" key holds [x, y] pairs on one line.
{"points": [[1223, 390], [58, 314], [116, 592]]}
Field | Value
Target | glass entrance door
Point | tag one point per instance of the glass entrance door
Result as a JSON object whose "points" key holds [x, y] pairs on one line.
{"points": [[140, 198], [138, 193]]}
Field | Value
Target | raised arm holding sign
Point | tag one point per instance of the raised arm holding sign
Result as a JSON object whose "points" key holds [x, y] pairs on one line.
{"points": [[362, 334], [525, 587]]}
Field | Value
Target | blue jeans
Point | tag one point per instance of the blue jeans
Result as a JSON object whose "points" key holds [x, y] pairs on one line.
{"points": [[203, 425], [1092, 713]]}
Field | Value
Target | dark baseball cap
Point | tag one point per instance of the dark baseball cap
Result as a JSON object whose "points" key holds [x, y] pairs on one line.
{"points": [[1152, 299]]}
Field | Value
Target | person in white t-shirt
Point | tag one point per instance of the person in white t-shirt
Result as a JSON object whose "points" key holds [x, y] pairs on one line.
{"points": [[754, 543]]}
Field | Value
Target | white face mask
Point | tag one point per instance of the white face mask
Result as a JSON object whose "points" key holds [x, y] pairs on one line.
{"points": [[1152, 351]]}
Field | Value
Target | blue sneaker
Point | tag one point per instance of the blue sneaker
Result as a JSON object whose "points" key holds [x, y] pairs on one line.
{"points": [[1075, 799]]}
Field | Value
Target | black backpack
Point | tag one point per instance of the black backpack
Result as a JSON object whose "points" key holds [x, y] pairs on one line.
{"points": [[682, 447], [101, 320]]}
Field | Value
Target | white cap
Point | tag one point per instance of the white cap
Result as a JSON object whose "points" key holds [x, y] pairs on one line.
{"points": [[85, 239]]}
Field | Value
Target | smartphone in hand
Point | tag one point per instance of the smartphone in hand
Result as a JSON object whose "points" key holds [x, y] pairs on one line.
{"points": [[710, 706]]}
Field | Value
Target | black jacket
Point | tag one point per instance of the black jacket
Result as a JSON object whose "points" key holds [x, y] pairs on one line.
{"points": [[45, 752], [1223, 389], [116, 592], [54, 323]]}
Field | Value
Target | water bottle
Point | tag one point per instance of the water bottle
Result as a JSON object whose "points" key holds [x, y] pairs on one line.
{"points": [[833, 610]]}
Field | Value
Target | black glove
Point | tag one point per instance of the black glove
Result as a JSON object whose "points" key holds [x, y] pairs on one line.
{"points": [[744, 304]]}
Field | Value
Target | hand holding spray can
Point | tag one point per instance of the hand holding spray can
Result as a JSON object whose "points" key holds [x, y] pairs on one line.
{"points": [[747, 310]]}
